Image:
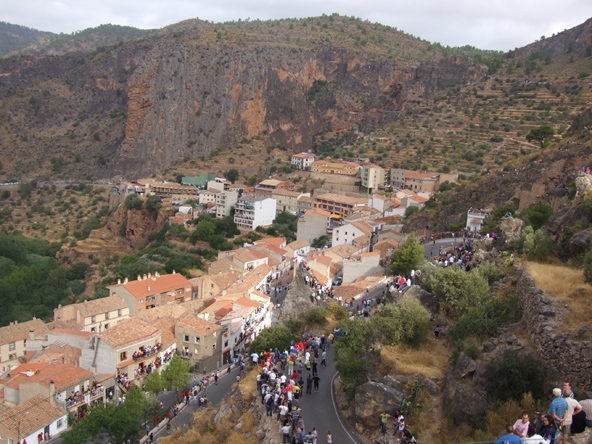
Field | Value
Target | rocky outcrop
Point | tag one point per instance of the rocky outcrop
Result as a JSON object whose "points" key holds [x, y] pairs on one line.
{"points": [[512, 230], [373, 398], [135, 225], [427, 300], [565, 354], [583, 183], [298, 300], [464, 366], [466, 405]]}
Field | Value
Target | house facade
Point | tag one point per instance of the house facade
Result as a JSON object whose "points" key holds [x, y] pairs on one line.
{"points": [[339, 204], [346, 234], [302, 161], [224, 202], [335, 166], [153, 290], [373, 177], [93, 316], [199, 342], [13, 341], [252, 212], [313, 225], [287, 201]]}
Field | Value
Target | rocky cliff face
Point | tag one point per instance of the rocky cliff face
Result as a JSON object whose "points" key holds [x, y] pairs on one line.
{"points": [[140, 107], [134, 225]]}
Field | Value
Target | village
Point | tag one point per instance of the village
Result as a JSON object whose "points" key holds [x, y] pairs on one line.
{"points": [[94, 351]]}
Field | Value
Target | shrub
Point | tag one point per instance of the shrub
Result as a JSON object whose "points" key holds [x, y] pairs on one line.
{"points": [[455, 287], [482, 322], [316, 315], [468, 347], [521, 374], [492, 271], [338, 311], [272, 338], [537, 245], [133, 202], [537, 215]]}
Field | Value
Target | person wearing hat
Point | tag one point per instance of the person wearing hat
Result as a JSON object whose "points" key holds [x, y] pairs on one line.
{"points": [[538, 421], [558, 408]]}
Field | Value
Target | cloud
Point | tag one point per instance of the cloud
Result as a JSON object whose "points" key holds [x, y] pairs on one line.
{"points": [[501, 25]]}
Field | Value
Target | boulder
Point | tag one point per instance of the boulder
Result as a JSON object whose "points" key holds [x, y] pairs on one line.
{"points": [[512, 229], [297, 300], [398, 385], [260, 434], [223, 412], [468, 405], [427, 300], [488, 346], [579, 243], [583, 183], [464, 365], [373, 398], [431, 387]]}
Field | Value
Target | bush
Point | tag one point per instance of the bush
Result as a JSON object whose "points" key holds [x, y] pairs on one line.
{"points": [[316, 315], [537, 215], [521, 374], [457, 288], [337, 311], [468, 347], [492, 271], [133, 202], [483, 322], [537, 245], [272, 338]]}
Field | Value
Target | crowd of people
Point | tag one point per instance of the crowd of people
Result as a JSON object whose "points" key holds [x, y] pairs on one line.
{"points": [[78, 397], [566, 416], [286, 377]]}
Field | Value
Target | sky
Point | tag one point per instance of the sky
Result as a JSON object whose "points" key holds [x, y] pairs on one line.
{"points": [[500, 24]]}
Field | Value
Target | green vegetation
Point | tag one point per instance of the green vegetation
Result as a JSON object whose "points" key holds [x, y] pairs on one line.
{"points": [[176, 375], [408, 256], [407, 323], [31, 281], [521, 374], [284, 225], [537, 215], [537, 245], [115, 423], [454, 287], [272, 338], [316, 315], [542, 134], [483, 321]]}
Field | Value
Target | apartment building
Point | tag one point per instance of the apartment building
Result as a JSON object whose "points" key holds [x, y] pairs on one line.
{"points": [[13, 341], [267, 187], [346, 234], [252, 211], [313, 225], [287, 201], [199, 342], [225, 200], [373, 178], [152, 291], [173, 190], [339, 204], [94, 316]]}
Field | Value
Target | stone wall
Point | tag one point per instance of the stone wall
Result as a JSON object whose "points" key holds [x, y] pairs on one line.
{"points": [[566, 353]]}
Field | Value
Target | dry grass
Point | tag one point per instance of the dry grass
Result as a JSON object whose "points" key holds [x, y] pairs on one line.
{"points": [[431, 360], [567, 284]]}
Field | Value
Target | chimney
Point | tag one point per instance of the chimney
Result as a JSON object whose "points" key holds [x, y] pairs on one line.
{"points": [[139, 277], [52, 392], [174, 272], [31, 334], [144, 277], [125, 281], [148, 287], [149, 275]]}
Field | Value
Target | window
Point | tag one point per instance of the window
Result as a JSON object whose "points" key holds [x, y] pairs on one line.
{"points": [[186, 338], [214, 334], [93, 319], [10, 441], [196, 351], [226, 343], [93, 329], [119, 312], [214, 347], [11, 346], [141, 301], [106, 326], [60, 423], [11, 356], [107, 315], [197, 340], [122, 356]]}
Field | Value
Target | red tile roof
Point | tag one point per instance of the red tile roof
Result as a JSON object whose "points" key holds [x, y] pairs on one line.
{"points": [[38, 411], [154, 285], [128, 332]]}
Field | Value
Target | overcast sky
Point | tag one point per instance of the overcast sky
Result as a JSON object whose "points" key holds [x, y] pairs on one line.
{"points": [[498, 24]]}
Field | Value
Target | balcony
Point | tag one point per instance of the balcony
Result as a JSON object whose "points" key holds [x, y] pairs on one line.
{"points": [[146, 352], [75, 400]]}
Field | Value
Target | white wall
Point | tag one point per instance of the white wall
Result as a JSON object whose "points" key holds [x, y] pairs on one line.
{"points": [[264, 212]]}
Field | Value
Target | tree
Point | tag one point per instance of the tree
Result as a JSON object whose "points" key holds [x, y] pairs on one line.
{"points": [[153, 203], [537, 245], [537, 215], [541, 134], [319, 242], [457, 288], [411, 210], [154, 383], [133, 202], [176, 375], [204, 232], [408, 256], [231, 175], [272, 338], [116, 423], [521, 374]]}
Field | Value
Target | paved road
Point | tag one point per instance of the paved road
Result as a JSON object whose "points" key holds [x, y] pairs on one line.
{"points": [[214, 393], [432, 250], [319, 410]]}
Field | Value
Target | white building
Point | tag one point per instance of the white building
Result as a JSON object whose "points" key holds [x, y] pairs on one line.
{"points": [[208, 196], [347, 233], [475, 218], [252, 212], [224, 202], [303, 161]]}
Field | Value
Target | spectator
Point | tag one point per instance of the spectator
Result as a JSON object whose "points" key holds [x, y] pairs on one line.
{"points": [[549, 431], [558, 407], [587, 408], [521, 426], [509, 437]]}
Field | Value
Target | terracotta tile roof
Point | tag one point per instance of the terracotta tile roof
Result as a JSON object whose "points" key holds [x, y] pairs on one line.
{"points": [[380, 197], [318, 211], [275, 249], [66, 354], [63, 375], [198, 325], [270, 182], [373, 253], [340, 198], [65, 331], [303, 156], [299, 243], [222, 306], [325, 260], [252, 279], [418, 175], [283, 192], [194, 305], [38, 411], [419, 199], [334, 269], [388, 243], [166, 327], [220, 266], [223, 280], [238, 313], [344, 250], [128, 332], [244, 302], [363, 227], [20, 331], [99, 306], [176, 311], [321, 278], [276, 241], [306, 199], [245, 255], [154, 285]]}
